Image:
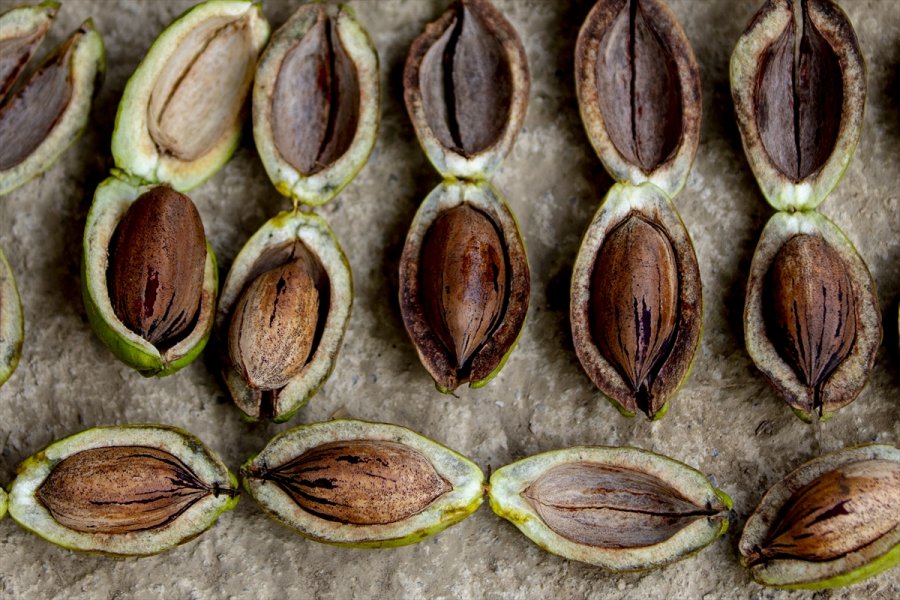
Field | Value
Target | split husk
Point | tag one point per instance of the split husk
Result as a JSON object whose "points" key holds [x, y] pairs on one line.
{"points": [[375, 485], [464, 284], [111, 202], [288, 237], [799, 86], [818, 361], [466, 85], [831, 522], [622, 509], [636, 253], [316, 101], [638, 86], [43, 112], [182, 110], [12, 332], [131, 490]]}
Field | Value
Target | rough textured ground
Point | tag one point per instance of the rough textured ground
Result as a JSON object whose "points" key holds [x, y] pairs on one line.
{"points": [[726, 421]]}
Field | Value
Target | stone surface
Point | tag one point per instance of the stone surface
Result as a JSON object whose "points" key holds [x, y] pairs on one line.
{"points": [[726, 421]]}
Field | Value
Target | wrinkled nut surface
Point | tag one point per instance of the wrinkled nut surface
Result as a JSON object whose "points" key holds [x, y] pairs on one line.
{"points": [[611, 507], [360, 482], [812, 310], [315, 104], [837, 513], [156, 265], [463, 280], [634, 301], [120, 489], [273, 326], [799, 97], [201, 90]]}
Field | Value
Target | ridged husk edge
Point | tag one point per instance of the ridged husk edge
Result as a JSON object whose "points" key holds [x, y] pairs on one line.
{"points": [[111, 201], [448, 162], [319, 188], [649, 201], [490, 358], [671, 175], [465, 477], [133, 149], [12, 328], [87, 65], [507, 484], [746, 61], [849, 378], [799, 574], [33, 516], [313, 231]]}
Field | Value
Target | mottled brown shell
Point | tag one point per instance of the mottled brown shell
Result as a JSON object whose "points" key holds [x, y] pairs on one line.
{"points": [[812, 322], [636, 300], [638, 86], [831, 522], [120, 489], [273, 326], [486, 269], [360, 482]]}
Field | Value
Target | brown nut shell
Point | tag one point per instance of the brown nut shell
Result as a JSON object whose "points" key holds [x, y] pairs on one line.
{"points": [[157, 259], [833, 521], [812, 323], [799, 86], [276, 357], [636, 300], [466, 85], [274, 324], [638, 86], [464, 284]]}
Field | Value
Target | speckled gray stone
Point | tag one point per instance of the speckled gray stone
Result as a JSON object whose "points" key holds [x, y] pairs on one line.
{"points": [[726, 420]]}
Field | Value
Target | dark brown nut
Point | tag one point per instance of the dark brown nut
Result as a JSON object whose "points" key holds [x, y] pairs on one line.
{"points": [[120, 489], [799, 87], [361, 482], [638, 87], [464, 284], [831, 522], [812, 311], [636, 300], [466, 87], [812, 323], [463, 280], [273, 326], [156, 266]]}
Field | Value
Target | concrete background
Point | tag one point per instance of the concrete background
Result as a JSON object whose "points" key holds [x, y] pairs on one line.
{"points": [[726, 421]]}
